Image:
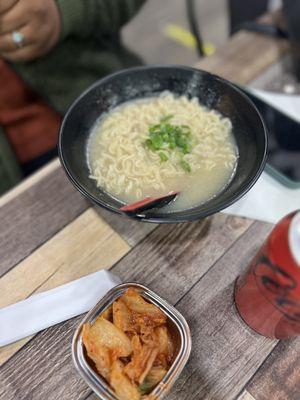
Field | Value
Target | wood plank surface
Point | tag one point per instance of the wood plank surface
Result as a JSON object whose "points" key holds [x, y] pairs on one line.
{"points": [[35, 215], [30, 181], [246, 396], [131, 231], [92, 396], [280, 374], [43, 369], [180, 254], [39, 195], [226, 353], [85, 246], [173, 258]]}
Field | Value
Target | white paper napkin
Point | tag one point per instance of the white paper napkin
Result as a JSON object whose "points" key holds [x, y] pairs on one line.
{"points": [[269, 200], [45, 309]]}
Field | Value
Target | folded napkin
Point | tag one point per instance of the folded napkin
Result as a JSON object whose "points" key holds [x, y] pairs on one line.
{"points": [[267, 201], [45, 309]]}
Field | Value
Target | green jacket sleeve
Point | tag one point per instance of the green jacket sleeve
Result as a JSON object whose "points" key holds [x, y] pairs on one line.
{"points": [[101, 17]]}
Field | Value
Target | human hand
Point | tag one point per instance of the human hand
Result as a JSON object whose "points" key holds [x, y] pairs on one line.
{"points": [[38, 22]]}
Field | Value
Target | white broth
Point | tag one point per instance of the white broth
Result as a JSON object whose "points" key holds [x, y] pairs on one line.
{"points": [[150, 147]]}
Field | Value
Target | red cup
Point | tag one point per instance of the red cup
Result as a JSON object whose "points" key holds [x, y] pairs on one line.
{"points": [[267, 294]]}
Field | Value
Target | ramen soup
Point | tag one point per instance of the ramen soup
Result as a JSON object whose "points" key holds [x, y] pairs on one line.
{"points": [[152, 146]]}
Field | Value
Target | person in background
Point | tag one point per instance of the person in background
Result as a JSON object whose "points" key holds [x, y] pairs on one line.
{"points": [[50, 51]]}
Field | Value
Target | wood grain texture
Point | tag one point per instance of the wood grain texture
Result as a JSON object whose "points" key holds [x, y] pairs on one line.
{"points": [[131, 231], [50, 202], [170, 260], [226, 353], [85, 246], [279, 377], [10, 350], [245, 396], [43, 369], [92, 396], [35, 215], [30, 181], [180, 253]]}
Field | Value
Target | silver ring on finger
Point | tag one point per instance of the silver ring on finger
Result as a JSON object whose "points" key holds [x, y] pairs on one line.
{"points": [[18, 39]]}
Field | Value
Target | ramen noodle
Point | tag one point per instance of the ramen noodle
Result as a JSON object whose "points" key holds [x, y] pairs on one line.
{"points": [[152, 146]]}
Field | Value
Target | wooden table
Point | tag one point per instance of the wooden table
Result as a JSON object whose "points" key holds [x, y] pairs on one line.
{"points": [[50, 235]]}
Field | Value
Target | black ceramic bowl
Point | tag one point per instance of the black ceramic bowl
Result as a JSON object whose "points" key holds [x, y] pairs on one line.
{"points": [[214, 92]]}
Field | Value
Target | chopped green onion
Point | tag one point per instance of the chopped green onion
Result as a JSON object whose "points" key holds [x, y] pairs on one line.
{"points": [[186, 149], [168, 137], [163, 156], [186, 166], [157, 141]]}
